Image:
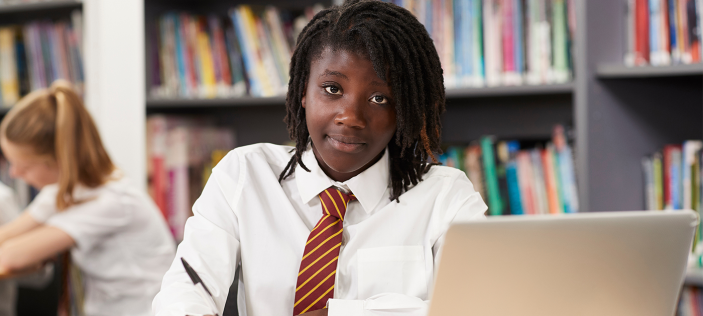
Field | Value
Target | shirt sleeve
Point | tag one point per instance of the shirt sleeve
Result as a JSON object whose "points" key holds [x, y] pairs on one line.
{"points": [[44, 204], [91, 221], [210, 245], [459, 202]]}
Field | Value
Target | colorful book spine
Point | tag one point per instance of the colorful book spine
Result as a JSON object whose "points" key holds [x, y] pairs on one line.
{"points": [[512, 180], [495, 205]]}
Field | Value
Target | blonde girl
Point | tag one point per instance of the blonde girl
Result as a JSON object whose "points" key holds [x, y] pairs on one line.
{"points": [[117, 239]]}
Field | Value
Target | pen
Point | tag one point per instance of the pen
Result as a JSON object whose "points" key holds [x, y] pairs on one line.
{"points": [[200, 287]]}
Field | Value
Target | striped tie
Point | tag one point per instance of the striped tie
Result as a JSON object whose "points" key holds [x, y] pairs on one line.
{"points": [[319, 265]]}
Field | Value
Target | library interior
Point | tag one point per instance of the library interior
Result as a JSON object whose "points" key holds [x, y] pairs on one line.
{"points": [[553, 108]]}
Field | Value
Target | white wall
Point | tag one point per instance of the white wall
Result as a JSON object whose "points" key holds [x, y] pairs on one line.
{"points": [[114, 70]]}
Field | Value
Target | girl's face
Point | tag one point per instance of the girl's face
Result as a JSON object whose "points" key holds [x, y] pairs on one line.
{"points": [[350, 113], [25, 164]]}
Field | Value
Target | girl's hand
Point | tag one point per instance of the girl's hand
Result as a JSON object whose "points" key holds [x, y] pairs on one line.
{"points": [[7, 274], [319, 312]]}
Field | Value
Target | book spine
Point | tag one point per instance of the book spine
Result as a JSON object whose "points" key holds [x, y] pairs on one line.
{"points": [[207, 66], [653, 32], [478, 67], [647, 170], [514, 189], [658, 181], [641, 32], [495, 206], [550, 181], [542, 204], [676, 183], [673, 32], [235, 59], [685, 40], [518, 44], [8, 67], [180, 54], [247, 52], [525, 180], [693, 30]]}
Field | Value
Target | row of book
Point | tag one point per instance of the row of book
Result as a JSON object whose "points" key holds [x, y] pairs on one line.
{"points": [[520, 177], [672, 177], [181, 153], [480, 42], [663, 32], [500, 42], [690, 302], [248, 51], [35, 54], [673, 181]]}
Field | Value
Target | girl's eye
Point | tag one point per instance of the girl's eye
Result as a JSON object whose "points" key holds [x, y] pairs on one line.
{"points": [[379, 99], [332, 90]]}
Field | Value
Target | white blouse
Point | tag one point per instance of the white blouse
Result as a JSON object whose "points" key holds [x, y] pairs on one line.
{"points": [[245, 216], [123, 245]]}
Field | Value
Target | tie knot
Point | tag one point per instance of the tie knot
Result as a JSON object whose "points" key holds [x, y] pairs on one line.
{"points": [[334, 202]]}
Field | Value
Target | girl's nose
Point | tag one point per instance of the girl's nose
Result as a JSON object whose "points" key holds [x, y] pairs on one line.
{"points": [[352, 115]]}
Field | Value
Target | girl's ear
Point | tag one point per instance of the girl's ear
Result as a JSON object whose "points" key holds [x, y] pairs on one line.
{"points": [[302, 101]]}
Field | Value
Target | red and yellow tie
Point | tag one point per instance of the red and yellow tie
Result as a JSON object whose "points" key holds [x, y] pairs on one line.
{"points": [[319, 265]]}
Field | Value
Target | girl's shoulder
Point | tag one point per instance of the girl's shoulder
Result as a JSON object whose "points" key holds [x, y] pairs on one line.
{"points": [[258, 155], [439, 171]]}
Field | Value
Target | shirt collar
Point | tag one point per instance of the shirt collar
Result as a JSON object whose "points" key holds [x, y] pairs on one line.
{"points": [[368, 186]]}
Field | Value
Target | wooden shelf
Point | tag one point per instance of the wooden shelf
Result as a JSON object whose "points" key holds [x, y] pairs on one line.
{"points": [[176, 103], [610, 71], [502, 91], [39, 5]]}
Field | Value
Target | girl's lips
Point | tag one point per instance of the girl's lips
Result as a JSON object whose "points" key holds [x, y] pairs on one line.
{"points": [[346, 144]]}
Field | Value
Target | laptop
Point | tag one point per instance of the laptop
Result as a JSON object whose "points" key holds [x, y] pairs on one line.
{"points": [[614, 263]]}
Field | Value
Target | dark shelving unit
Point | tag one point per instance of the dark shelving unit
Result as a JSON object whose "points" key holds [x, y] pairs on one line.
{"points": [[37, 6], [619, 71], [502, 91]]}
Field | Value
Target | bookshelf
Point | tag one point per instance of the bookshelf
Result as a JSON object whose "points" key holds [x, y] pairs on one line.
{"points": [[621, 113]]}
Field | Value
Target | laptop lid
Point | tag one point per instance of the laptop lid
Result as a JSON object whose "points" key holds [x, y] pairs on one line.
{"points": [[614, 263]]}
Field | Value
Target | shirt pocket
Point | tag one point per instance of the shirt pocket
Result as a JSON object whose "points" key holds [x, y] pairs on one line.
{"points": [[398, 269]]}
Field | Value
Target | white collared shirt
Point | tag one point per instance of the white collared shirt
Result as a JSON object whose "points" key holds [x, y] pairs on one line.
{"points": [[123, 246], [389, 249]]}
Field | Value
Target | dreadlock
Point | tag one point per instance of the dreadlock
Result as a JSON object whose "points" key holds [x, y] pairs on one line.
{"points": [[402, 54]]}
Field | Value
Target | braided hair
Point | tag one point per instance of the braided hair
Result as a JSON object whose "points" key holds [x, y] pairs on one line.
{"points": [[402, 54]]}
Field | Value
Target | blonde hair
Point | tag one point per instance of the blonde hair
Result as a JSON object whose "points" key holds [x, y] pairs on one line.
{"points": [[54, 122]]}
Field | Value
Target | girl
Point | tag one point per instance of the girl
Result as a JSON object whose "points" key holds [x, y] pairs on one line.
{"points": [[115, 234], [350, 221]]}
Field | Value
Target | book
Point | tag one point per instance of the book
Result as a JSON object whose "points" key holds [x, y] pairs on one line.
{"points": [[180, 154], [663, 32], [9, 82], [495, 205], [34, 54], [529, 176]]}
